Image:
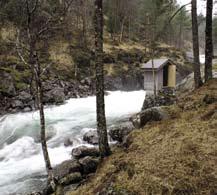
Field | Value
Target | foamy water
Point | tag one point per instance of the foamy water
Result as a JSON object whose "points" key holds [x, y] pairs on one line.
{"points": [[21, 162]]}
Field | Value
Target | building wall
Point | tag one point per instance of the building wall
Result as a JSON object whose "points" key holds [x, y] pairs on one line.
{"points": [[149, 82], [160, 79], [172, 76], [164, 76]]}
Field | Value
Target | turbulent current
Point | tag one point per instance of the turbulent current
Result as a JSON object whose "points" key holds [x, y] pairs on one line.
{"points": [[21, 162]]}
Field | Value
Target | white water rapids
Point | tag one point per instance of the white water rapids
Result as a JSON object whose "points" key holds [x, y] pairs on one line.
{"points": [[21, 161]]}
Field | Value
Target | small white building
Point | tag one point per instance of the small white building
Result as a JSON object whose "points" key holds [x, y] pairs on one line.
{"points": [[164, 71]]}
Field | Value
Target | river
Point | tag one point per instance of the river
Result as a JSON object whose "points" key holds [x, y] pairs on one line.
{"points": [[21, 162]]}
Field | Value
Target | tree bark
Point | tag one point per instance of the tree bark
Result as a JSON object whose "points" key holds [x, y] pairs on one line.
{"points": [[196, 52], [122, 30], [100, 103], [84, 22], [209, 43], [39, 93], [153, 76]]}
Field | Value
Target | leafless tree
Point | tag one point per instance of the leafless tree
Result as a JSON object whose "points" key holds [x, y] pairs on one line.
{"points": [[196, 53], [209, 42], [100, 102]]}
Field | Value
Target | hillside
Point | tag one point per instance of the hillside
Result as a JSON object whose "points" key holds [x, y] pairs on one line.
{"points": [[175, 156], [70, 69]]}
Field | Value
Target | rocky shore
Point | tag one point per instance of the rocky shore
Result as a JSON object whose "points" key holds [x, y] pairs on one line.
{"points": [[57, 91], [84, 161]]}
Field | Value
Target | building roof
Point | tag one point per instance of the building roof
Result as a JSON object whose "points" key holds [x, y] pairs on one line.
{"points": [[158, 63]]}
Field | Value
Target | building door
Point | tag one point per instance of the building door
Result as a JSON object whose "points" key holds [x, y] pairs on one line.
{"points": [[165, 76]]}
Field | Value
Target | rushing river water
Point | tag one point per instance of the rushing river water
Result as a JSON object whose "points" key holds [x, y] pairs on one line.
{"points": [[21, 161]]}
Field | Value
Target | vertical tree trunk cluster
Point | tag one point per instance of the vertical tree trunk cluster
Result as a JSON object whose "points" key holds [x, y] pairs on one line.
{"points": [[196, 52], [209, 42], [100, 103]]}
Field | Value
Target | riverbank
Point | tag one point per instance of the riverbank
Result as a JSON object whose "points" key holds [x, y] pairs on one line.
{"points": [[56, 92], [174, 156], [21, 160], [122, 72]]}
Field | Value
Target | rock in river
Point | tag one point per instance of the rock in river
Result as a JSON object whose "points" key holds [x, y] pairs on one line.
{"points": [[71, 178], [89, 164], [65, 168], [84, 151], [152, 114], [91, 137], [118, 133]]}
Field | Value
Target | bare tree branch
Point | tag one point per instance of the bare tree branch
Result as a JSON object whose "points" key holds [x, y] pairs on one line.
{"points": [[18, 49], [35, 7], [173, 16], [169, 21]]}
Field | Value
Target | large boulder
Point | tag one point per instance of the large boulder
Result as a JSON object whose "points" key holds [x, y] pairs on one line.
{"points": [[56, 95], [17, 104], [7, 84], [187, 84], [152, 114], [71, 178], [24, 97], [91, 137], [119, 133], [165, 97], [84, 151], [66, 168], [89, 164]]}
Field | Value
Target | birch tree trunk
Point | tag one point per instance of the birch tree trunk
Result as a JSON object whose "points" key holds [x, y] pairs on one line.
{"points": [[39, 94], [100, 103], [37, 91], [196, 52], [209, 43]]}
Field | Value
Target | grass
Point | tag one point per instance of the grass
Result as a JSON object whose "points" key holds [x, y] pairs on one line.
{"points": [[176, 156]]}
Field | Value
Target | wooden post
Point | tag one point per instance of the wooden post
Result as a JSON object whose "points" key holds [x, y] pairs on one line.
{"points": [[172, 76]]}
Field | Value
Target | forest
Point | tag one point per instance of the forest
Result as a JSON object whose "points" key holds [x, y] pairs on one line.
{"points": [[108, 97]]}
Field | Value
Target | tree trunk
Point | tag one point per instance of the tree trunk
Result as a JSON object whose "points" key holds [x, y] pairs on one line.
{"points": [[84, 22], [32, 62], [209, 43], [196, 52], [122, 30], [39, 92], [153, 75], [100, 104], [180, 36]]}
